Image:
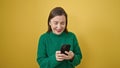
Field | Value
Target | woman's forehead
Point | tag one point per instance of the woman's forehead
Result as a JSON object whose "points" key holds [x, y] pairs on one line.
{"points": [[59, 18]]}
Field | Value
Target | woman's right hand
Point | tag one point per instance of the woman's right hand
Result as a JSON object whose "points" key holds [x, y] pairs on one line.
{"points": [[59, 56]]}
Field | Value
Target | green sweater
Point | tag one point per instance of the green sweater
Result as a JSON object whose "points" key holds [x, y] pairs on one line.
{"points": [[49, 43]]}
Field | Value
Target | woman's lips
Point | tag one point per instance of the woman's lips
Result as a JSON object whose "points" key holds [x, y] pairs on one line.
{"points": [[58, 30]]}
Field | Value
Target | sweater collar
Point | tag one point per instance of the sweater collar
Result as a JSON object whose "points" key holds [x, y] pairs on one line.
{"points": [[55, 35]]}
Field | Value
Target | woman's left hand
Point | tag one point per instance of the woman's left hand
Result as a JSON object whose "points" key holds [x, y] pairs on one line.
{"points": [[70, 55]]}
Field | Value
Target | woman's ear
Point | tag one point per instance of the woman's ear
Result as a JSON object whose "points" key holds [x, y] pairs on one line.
{"points": [[49, 23]]}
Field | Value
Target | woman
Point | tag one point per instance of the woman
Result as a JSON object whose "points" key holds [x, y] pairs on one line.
{"points": [[49, 54]]}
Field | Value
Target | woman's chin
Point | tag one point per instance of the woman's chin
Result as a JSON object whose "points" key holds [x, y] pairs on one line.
{"points": [[58, 33]]}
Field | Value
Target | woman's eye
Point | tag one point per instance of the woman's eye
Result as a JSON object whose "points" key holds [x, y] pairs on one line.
{"points": [[55, 23], [62, 23]]}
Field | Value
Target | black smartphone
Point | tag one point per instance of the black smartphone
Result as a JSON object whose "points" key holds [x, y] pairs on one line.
{"points": [[65, 47]]}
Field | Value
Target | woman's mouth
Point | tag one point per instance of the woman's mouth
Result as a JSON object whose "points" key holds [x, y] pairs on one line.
{"points": [[58, 30]]}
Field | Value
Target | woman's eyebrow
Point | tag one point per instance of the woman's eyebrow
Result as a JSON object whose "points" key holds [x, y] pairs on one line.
{"points": [[55, 21]]}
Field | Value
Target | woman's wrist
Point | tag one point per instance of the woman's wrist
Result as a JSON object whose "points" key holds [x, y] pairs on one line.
{"points": [[71, 59]]}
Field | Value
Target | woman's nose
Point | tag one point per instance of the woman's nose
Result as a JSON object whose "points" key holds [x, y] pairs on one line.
{"points": [[58, 26]]}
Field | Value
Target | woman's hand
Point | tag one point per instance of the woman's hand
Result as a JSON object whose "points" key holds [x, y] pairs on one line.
{"points": [[70, 55], [61, 57]]}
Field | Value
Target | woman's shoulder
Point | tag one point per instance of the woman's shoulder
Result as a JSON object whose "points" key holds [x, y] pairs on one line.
{"points": [[71, 34], [44, 35]]}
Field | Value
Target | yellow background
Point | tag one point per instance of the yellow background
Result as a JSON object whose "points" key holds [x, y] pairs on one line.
{"points": [[95, 22]]}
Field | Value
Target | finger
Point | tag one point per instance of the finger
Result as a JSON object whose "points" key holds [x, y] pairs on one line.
{"points": [[60, 55], [58, 52], [70, 51], [60, 59], [66, 52], [65, 56]]}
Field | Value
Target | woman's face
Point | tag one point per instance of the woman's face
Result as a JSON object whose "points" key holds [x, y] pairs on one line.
{"points": [[58, 24]]}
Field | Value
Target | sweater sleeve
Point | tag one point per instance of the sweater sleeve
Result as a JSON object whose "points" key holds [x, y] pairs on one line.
{"points": [[43, 60], [77, 53]]}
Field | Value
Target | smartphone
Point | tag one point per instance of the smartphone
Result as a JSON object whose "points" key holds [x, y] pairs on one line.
{"points": [[65, 47]]}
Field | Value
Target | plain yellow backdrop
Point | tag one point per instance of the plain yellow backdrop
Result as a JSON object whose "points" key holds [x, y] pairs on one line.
{"points": [[96, 24]]}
